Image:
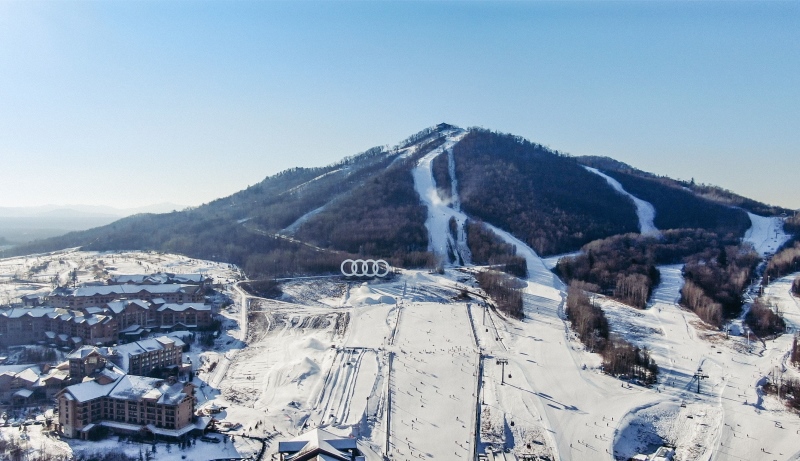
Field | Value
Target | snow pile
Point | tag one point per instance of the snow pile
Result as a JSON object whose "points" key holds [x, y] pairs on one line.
{"points": [[691, 429], [366, 296]]}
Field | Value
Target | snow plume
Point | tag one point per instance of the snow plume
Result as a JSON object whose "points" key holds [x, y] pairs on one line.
{"points": [[449, 247], [644, 210]]}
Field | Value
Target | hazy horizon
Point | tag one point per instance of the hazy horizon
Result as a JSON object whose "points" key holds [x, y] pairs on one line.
{"points": [[128, 104]]}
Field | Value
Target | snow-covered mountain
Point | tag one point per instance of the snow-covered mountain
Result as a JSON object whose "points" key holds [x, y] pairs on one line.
{"points": [[383, 203]]}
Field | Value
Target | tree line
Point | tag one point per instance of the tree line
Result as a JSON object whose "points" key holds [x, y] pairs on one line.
{"points": [[784, 262], [679, 208], [715, 280], [624, 266], [787, 389], [505, 291], [620, 358], [763, 321], [544, 198], [489, 249]]}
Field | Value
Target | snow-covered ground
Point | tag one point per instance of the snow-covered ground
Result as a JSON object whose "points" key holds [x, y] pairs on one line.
{"points": [[730, 419], [36, 274], [433, 383], [766, 234], [39, 442], [644, 210], [401, 362]]}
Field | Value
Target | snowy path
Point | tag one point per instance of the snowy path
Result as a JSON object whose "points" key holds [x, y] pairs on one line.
{"points": [[433, 382], [292, 228], [644, 210], [765, 233], [441, 241]]}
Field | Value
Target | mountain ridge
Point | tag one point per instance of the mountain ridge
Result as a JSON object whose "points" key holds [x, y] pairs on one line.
{"points": [[366, 206]]}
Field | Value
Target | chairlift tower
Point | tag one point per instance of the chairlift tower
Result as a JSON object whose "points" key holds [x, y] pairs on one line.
{"points": [[502, 363], [699, 376]]}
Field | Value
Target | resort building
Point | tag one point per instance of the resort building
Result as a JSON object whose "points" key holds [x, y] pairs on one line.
{"points": [[129, 405]]}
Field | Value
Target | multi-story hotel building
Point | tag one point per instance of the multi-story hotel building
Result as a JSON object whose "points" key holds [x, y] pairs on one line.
{"points": [[129, 405]]}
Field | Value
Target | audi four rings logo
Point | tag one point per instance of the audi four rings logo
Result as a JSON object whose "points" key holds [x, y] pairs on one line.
{"points": [[365, 268]]}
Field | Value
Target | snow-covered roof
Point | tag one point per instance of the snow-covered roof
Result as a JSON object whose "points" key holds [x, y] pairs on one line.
{"points": [[119, 306], [128, 387], [85, 351], [129, 349], [316, 444], [88, 390], [180, 307], [13, 369], [30, 311], [138, 387], [165, 340], [106, 290], [24, 393], [150, 345], [158, 278], [181, 335]]}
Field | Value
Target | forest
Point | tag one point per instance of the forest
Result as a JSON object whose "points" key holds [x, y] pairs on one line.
{"points": [[785, 389], [715, 280], [620, 358], [706, 191], [792, 225], [763, 321], [441, 176], [544, 198], [489, 249], [242, 228], [678, 208], [505, 291], [624, 266], [783, 263], [381, 218]]}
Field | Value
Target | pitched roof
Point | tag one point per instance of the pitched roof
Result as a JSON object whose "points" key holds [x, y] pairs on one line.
{"points": [[317, 444], [128, 387], [184, 306], [133, 289]]}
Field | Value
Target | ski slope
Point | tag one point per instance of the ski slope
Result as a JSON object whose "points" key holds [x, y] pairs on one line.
{"points": [[766, 234], [448, 248], [644, 210], [433, 382]]}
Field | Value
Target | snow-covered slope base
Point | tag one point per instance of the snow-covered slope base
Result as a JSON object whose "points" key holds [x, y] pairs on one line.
{"points": [[437, 375]]}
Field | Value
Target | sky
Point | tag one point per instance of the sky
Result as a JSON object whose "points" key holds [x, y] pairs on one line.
{"points": [[134, 103]]}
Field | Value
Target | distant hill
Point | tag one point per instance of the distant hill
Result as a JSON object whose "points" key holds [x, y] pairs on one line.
{"points": [[306, 220], [25, 224]]}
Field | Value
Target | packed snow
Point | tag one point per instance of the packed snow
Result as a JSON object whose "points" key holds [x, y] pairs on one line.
{"points": [[766, 234], [449, 248]]}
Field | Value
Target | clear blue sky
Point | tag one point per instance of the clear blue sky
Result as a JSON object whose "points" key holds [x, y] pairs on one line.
{"points": [[133, 103]]}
